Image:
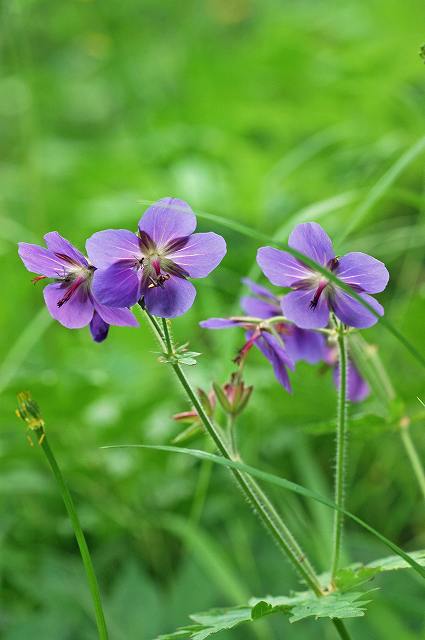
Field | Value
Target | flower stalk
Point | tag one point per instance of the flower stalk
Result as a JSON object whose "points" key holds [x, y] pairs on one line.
{"points": [[255, 495], [28, 411], [341, 451]]}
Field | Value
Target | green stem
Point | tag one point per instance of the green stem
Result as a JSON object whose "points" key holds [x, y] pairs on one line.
{"points": [[341, 451], [252, 491], [79, 535], [415, 461], [340, 627]]}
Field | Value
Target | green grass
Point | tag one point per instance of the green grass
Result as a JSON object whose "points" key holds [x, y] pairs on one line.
{"points": [[265, 113]]}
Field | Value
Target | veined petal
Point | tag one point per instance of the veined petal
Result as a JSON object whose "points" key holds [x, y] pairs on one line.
{"points": [[202, 253], [167, 220], [302, 344], [280, 267], [113, 245], [296, 307], [98, 328], [42, 261], [218, 323], [115, 316], [362, 271], [118, 285], [76, 313], [173, 299], [353, 313], [313, 241], [58, 244]]}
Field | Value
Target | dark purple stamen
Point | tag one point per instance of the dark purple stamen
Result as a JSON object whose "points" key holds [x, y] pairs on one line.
{"points": [[70, 291]]}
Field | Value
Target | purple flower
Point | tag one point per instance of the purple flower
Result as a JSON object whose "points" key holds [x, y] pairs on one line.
{"points": [[155, 263], [290, 345], [313, 295], [70, 299], [357, 387]]}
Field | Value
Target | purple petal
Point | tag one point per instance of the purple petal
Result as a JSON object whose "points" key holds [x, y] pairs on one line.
{"points": [[363, 271], [311, 240], [42, 261], [201, 254], [57, 244], [280, 267], [357, 388], [218, 323], [302, 344], [173, 299], [74, 314], [296, 307], [115, 316], [98, 328], [260, 308], [258, 290], [118, 285], [106, 247], [167, 220], [274, 352], [353, 313]]}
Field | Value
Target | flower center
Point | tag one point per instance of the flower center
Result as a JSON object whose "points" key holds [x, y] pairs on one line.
{"points": [[72, 281], [322, 283]]}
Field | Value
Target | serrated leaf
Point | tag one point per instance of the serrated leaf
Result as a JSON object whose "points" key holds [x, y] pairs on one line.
{"points": [[335, 605]]}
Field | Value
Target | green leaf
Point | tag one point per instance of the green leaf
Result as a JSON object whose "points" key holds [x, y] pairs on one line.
{"points": [[297, 607], [285, 484], [335, 605]]}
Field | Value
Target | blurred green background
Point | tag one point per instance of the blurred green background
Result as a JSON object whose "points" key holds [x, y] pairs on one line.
{"points": [[263, 112]]}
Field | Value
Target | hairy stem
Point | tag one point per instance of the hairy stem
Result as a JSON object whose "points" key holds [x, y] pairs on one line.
{"points": [[250, 488], [79, 535], [341, 451]]}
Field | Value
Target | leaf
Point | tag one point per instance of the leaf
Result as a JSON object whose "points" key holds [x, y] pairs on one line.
{"points": [[297, 607], [335, 605], [282, 483]]}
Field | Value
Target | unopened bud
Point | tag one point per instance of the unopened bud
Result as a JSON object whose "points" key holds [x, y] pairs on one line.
{"points": [[29, 411]]}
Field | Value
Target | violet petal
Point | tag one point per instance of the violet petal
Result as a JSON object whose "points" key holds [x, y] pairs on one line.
{"points": [[76, 313], [118, 285], [42, 261], [98, 328], [173, 299], [167, 219], [58, 244], [282, 269], [202, 253], [313, 241], [302, 344], [353, 313], [363, 271], [112, 245], [296, 307], [115, 316]]}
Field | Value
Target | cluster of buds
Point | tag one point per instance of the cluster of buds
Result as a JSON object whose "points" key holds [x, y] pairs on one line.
{"points": [[233, 397]]}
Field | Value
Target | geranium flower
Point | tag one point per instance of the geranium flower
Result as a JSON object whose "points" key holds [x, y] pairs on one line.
{"points": [[291, 343], [70, 299], [155, 263], [313, 295]]}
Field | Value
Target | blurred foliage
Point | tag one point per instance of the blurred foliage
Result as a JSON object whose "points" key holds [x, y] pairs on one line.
{"points": [[254, 111]]}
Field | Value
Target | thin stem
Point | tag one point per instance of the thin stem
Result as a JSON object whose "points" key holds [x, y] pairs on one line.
{"points": [[79, 535], [340, 627], [414, 458], [231, 432], [341, 451], [252, 491]]}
